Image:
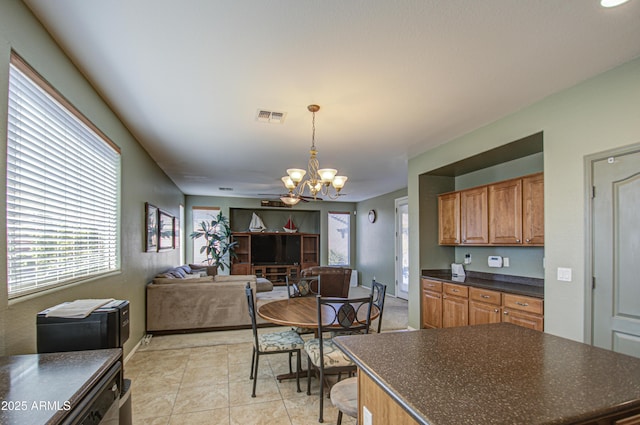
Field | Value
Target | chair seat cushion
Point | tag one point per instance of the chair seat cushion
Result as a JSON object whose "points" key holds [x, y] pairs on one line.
{"points": [[333, 356], [280, 341], [344, 396]]}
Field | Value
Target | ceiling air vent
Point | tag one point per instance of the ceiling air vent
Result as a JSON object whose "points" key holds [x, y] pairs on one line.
{"points": [[270, 117]]}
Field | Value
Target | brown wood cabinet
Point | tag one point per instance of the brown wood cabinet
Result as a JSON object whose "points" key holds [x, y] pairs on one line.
{"points": [[446, 305], [431, 304], [533, 209], [484, 306], [474, 223], [510, 212], [449, 218], [455, 305], [505, 216], [523, 311]]}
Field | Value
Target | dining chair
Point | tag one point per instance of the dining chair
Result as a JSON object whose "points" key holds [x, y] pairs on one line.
{"points": [[378, 292], [303, 287], [271, 343], [335, 314], [307, 286], [344, 397]]}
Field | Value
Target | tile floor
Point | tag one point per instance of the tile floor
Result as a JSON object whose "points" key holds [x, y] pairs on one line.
{"points": [[210, 385]]}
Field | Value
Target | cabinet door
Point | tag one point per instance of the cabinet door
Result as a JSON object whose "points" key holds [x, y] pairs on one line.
{"points": [[310, 252], [505, 212], [455, 311], [474, 219], [481, 313], [533, 209], [449, 219], [431, 309], [531, 321]]}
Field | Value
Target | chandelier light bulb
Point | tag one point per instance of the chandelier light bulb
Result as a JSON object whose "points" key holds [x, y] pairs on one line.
{"points": [[288, 183], [327, 175], [339, 181], [296, 174]]}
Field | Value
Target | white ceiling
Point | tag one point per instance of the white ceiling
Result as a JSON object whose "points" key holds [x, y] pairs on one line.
{"points": [[393, 77]]}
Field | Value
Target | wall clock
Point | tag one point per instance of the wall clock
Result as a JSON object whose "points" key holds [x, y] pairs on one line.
{"points": [[372, 216]]}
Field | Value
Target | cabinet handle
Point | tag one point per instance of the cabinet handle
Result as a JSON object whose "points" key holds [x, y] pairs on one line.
{"points": [[528, 240], [464, 240], [506, 313], [484, 296], [522, 304], [497, 311], [455, 290], [518, 240]]}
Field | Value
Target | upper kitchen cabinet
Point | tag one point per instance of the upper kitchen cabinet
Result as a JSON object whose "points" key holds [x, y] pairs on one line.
{"points": [[507, 213], [449, 219], [533, 209], [473, 216]]}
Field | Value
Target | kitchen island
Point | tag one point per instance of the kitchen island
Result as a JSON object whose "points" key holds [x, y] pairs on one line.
{"points": [[491, 374], [52, 388]]}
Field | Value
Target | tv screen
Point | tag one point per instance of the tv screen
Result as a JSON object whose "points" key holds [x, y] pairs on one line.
{"points": [[275, 249]]}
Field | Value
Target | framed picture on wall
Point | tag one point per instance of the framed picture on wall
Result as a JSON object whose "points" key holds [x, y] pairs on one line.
{"points": [[165, 231], [151, 227]]}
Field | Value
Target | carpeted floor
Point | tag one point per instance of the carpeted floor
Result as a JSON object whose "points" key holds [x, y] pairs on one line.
{"points": [[395, 317]]}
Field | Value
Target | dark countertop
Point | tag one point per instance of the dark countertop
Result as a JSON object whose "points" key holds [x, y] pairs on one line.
{"points": [[35, 387], [495, 374], [531, 287]]}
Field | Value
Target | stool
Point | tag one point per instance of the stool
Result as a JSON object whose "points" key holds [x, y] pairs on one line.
{"points": [[344, 396]]}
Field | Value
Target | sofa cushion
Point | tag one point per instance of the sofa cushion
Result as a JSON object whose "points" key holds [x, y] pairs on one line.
{"points": [[190, 279]]}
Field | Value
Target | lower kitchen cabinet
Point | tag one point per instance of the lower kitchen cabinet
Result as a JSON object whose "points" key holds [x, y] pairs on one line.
{"points": [[431, 304], [446, 305], [455, 305]]}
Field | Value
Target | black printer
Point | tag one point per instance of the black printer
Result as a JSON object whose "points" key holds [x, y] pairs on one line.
{"points": [[105, 327]]}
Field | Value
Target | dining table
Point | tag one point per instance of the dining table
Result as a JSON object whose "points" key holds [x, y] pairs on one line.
{"points": [[302, 312]]}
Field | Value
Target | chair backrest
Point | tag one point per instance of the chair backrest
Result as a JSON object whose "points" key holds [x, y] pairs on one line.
{"points": [[378, 292], [343, 315], [252, 313], [306, 286], [335, 280]]}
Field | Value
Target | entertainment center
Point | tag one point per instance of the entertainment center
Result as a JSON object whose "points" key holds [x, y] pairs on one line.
{"points": [[274, 253]]}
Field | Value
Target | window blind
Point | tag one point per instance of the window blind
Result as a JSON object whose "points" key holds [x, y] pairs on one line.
{"points": [[63, 184]]}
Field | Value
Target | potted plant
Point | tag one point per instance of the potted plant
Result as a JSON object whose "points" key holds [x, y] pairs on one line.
{"points": [[217, 234]]}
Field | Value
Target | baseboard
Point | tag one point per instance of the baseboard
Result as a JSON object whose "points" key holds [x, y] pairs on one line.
{"points": [[134, 349]]}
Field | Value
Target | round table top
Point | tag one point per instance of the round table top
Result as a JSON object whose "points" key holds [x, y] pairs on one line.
{"points": [[301, 312]]}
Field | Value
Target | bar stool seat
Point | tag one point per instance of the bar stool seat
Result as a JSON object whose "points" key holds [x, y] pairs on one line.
{"points": [[344, 396]]}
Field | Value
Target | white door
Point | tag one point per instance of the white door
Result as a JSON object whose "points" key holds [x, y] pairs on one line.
{"points": [[616, 250], [402, 248]]}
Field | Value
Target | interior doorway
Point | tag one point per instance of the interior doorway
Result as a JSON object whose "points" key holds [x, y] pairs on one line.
{"points": [[615, 249], [402, 248]]}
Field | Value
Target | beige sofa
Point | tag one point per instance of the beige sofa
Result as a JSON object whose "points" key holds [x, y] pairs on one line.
{"points": [[198, 303]]}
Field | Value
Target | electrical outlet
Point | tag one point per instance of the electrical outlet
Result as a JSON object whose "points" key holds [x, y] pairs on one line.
{"points": [[505, 261], [467, 258]]}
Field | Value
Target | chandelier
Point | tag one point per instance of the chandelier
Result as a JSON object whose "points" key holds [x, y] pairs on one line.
{"points": [[319, 181]]}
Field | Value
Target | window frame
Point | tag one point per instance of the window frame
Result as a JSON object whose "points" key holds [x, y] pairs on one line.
{"points": [[112, 242]]}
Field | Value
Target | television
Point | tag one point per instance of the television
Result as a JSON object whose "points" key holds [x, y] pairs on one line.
{"points": [[275, 249]]}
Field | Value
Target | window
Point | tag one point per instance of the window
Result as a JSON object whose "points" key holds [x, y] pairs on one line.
{"points": [[339, 238], [63, 188], [198, 215]]}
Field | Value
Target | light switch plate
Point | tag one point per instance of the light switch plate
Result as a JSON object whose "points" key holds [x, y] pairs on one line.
{"points": [[366, 416], [564, 274]]}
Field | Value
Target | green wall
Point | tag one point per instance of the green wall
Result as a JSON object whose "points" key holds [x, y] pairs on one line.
{"points": [[376, 241], [141, 181], [598, 114]]}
